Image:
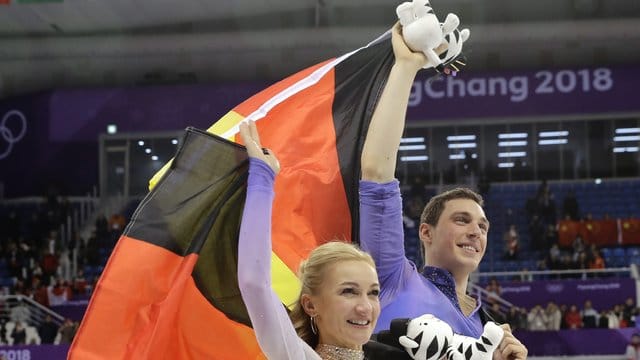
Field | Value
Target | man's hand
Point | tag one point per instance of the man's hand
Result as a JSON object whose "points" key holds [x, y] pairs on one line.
{"points": [[510, 348], [402, 53]]}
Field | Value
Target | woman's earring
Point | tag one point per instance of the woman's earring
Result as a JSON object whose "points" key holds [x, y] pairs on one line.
{"points": [[314, 330]]}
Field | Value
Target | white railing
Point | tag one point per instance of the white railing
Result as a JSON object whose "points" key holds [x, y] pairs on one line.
{"points": [[533, 274], [488, 298], [35, 312]]}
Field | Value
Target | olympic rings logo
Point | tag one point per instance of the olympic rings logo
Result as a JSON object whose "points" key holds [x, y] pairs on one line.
{"points": [[7, 134]]}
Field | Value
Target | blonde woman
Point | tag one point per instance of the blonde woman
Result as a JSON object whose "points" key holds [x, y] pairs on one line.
{"points": [[338, 306]]}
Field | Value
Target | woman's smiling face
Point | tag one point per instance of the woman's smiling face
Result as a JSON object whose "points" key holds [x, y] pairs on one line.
{"points": [[347, 305]]}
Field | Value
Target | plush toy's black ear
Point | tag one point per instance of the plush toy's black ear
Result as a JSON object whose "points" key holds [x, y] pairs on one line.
{"points": [[385, 344], [398, 327]]}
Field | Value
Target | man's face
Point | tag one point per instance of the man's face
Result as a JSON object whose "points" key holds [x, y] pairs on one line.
{"points": [[458, 241]]}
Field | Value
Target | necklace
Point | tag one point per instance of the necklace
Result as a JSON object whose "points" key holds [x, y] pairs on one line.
{"points": [[467, 303], [332, 352]]}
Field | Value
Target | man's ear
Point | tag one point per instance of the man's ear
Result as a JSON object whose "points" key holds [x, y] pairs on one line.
{"points": [[307, 305], [426, 233]]}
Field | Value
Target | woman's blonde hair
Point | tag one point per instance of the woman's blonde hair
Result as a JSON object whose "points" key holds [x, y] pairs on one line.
{"points": [[312, 272]]}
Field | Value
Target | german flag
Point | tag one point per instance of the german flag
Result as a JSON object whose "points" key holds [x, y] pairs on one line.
{"points": [[169, 289]]}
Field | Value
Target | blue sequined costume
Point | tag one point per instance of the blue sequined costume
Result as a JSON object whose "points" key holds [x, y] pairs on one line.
{"points": [[405, 292]]}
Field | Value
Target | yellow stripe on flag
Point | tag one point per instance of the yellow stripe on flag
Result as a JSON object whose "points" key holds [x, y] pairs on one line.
{"points": [[284, 282], [228, 121]]}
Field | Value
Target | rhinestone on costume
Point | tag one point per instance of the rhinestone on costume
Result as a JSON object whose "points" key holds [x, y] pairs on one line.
{"points": [[331, 352]]}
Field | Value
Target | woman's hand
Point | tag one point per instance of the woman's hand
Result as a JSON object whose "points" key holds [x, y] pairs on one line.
{"points": [[510, 348], [251, 139]]}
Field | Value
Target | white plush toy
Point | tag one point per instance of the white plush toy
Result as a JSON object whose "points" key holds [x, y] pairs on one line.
{"points": [[422, 31], [468, 348], [429, 338]]}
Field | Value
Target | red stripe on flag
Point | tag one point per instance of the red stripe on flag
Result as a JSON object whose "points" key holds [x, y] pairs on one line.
{"points": [[159, 311], [313, 207]]}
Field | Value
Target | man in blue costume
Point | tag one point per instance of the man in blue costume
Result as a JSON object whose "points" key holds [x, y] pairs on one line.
{"points": [[453, 227]]}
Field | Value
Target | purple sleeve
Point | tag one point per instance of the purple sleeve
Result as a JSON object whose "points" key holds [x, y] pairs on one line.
{"points": [[273, 328], [382, 235]]}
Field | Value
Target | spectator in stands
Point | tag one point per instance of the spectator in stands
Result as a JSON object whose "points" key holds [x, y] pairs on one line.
{"points": [[58, 293], [537, 319], [525, 275], [48, 330], [542, 265], [554, 316], [618, 310], [590, 316], [537, 233], [582, 263], [511, 243], [92, 250], [68, 331], [547, 206], [633, 349], [18, 287], [20, 312], [19, 334], [555, 256], [550, 235], [64, 261], [565, 264], [80, 283], [570, 206], [41, 294], [597, 262], [15, 259], [493, 290], [542, 189], [516, 318], [49, 263], [496, 314], [572, 318], [117, 223], [608, 320], [563, 310], [52, 242], [629, 312], [578, 246]]}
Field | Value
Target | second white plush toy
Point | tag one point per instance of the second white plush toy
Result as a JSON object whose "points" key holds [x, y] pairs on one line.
{"points": [[421, 29]]}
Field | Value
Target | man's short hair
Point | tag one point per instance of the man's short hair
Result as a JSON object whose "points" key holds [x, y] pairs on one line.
{"points": [[432, 211]]}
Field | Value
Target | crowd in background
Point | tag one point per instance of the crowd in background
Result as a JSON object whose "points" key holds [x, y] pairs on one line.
{"points": [[37, 263], [554, 316]]}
